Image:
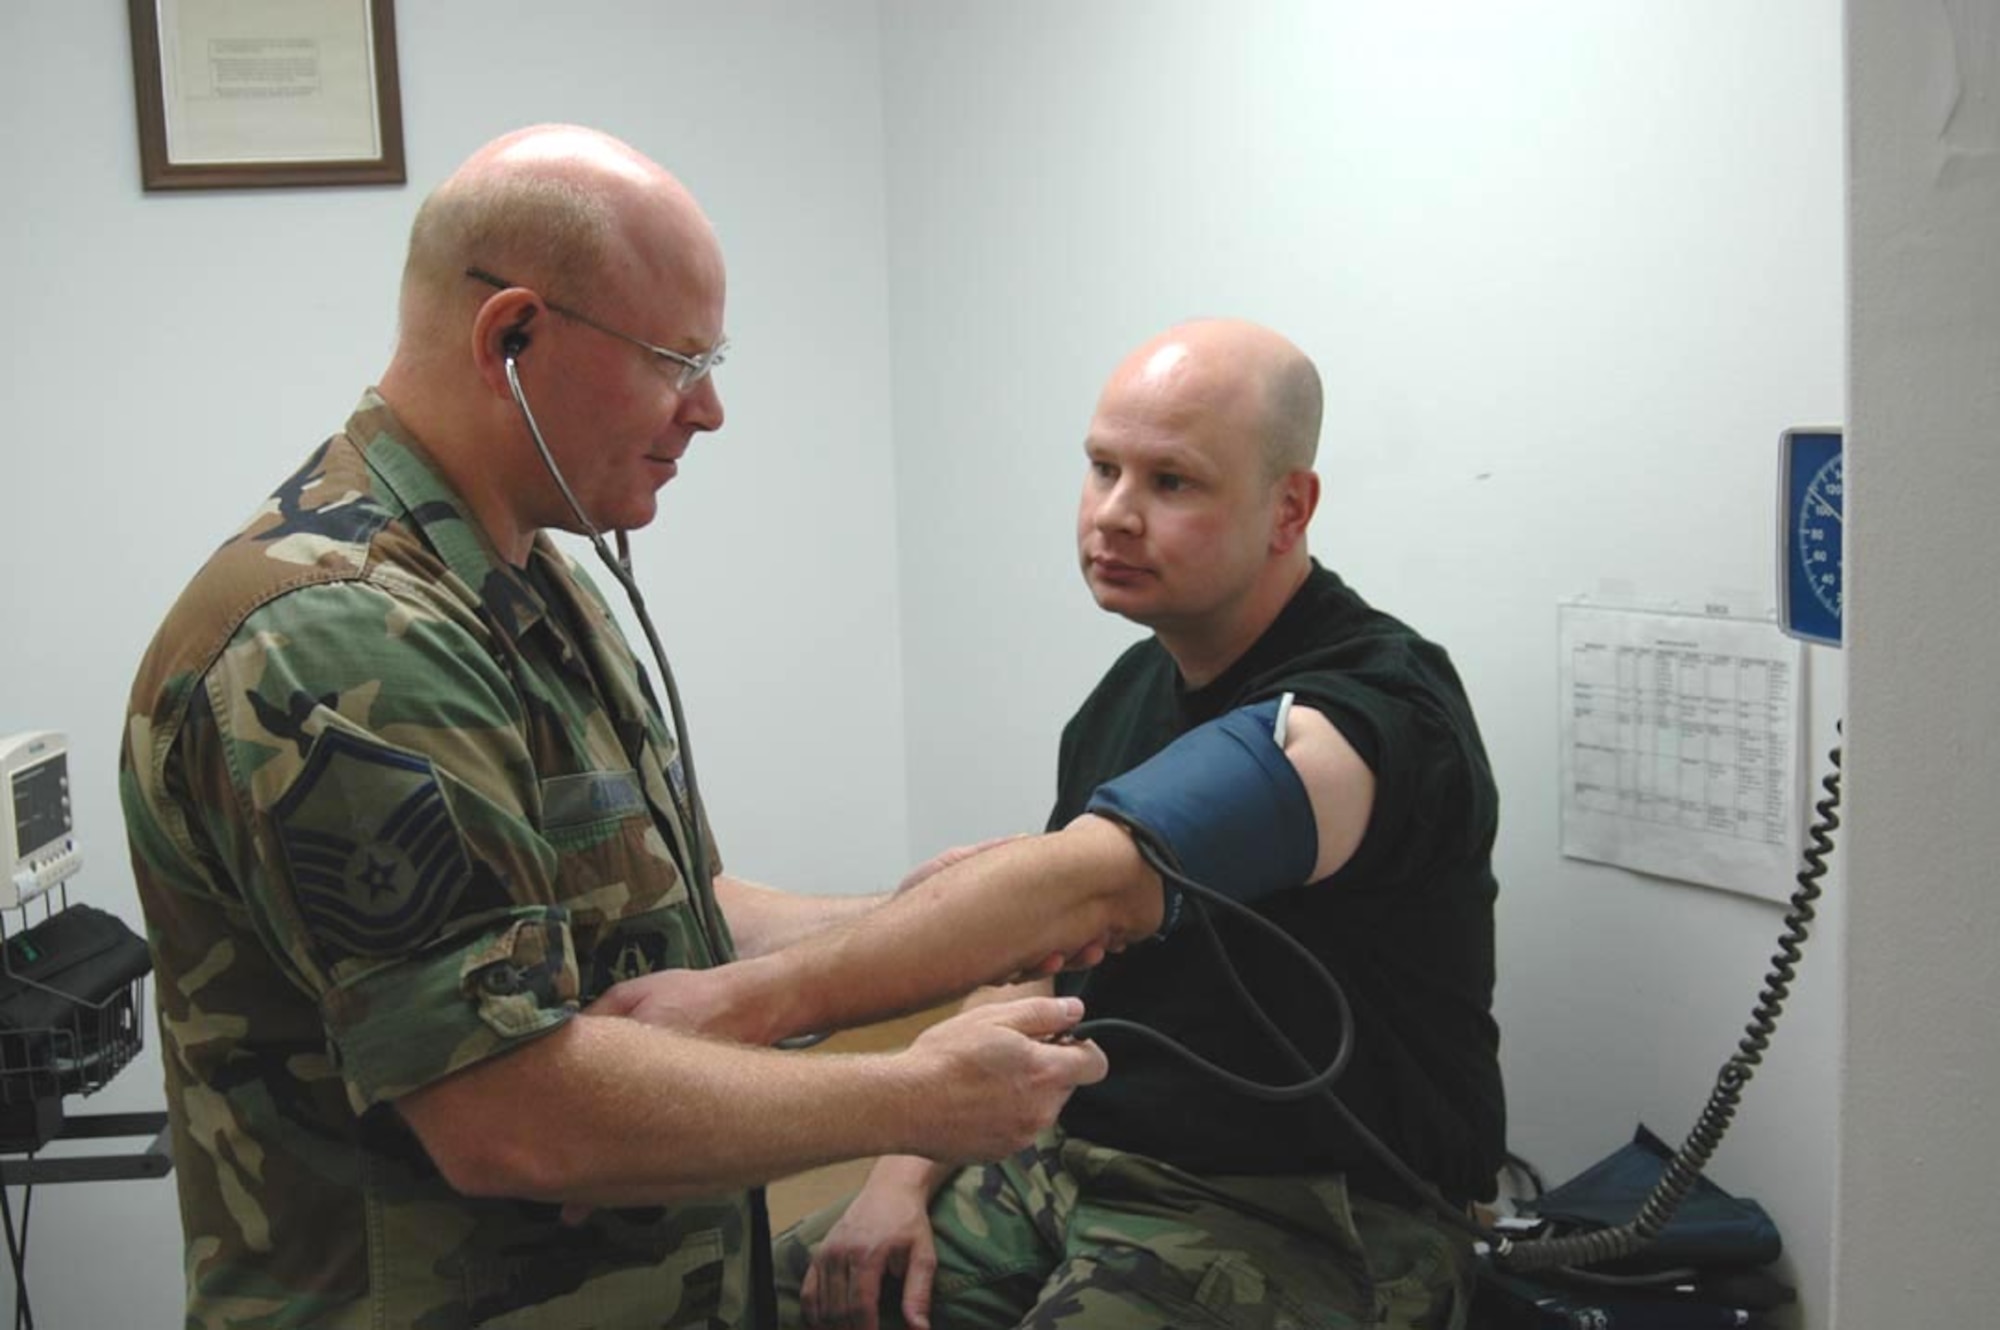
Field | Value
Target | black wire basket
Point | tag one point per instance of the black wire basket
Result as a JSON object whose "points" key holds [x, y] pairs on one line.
{"points": [[72, 1004], [79, 1054]]}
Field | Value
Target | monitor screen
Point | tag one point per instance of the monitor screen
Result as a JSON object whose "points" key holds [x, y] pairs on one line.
{"points": [[41, 804]]}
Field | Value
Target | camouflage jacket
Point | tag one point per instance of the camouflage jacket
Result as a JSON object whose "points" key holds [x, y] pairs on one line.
{"points": [[395, 808]]}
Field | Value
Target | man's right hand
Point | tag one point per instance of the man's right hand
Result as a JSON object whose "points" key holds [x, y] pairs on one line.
{"points": [[886, 1230], [997, 1074]]}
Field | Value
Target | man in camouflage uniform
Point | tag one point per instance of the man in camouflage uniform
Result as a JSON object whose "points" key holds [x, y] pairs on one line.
{"points": [[401, 803], [1163, 1199]]}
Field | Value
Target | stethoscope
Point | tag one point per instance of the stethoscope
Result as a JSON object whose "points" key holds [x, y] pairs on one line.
{"points": [[621, 569]]}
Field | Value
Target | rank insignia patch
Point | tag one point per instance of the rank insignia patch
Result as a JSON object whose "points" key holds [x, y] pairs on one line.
{"points": [[376, 863]]}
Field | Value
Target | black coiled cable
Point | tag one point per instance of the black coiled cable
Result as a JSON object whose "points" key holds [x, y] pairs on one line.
{"points": [[1681, 1172]]}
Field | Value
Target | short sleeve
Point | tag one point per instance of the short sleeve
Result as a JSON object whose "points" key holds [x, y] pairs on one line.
{"points": [[376, 823], [1433, 800], [396, 1028]]}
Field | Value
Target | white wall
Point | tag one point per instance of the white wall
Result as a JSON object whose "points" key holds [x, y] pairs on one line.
{"points": [[1922, 1059], [1568, 268], [169, 358]]}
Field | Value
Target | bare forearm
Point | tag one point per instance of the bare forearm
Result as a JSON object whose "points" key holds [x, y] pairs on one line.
{"points": [[606, 1111], [981, 921], [647, 1116], [764, 920], [911, 1173]]}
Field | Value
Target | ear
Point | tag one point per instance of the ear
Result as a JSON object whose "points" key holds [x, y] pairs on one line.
{"points": [[502, 323], [1295, 500]]}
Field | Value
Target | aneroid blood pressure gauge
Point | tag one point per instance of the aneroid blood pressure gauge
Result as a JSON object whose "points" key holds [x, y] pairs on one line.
{"points": [[1811, 521]]}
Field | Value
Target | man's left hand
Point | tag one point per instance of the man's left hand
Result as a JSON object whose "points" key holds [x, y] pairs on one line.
{"points": [[688, 1001]]}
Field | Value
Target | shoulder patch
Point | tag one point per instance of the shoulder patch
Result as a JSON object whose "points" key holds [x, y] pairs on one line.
{"points": [[375, 858]]}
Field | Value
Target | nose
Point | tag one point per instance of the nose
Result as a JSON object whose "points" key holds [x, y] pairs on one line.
{"points": [[1117, 510], [701, 405]]}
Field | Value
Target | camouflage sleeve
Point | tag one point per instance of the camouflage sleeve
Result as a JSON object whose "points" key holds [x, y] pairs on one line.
{"points": [[361, 769]]}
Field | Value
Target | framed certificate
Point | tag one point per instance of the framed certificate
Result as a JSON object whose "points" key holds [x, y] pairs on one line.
{"points": [[236, 93]]}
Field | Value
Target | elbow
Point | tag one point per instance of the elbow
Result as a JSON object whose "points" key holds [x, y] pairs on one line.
{"points": [[482, 1146], [1124, 900], [501, 1169], [485, 1165]]}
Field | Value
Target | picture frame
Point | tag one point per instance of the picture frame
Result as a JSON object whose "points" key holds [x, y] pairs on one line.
{"points": [[266, 93]]}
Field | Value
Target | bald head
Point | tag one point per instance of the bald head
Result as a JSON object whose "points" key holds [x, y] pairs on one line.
{"points": [[1200, 488], [591, 247], [1239, 372], [566, 209]]}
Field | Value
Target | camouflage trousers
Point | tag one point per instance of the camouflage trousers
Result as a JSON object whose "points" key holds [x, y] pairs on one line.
{"points": [[1069, 1234]]}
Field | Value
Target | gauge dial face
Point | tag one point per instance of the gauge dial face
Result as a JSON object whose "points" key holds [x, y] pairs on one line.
{"points": [[1819, 524]]}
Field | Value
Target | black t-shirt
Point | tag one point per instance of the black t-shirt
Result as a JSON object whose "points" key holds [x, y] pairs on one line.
{"points": [[1406, 925]]}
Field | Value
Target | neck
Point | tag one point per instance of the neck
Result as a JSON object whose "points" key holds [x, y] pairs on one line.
{"points": [[487, 502], [454, 441], [1203, 651]]}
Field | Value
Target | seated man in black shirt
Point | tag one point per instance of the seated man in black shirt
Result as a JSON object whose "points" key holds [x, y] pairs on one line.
{"points": [[1164, 1198]]}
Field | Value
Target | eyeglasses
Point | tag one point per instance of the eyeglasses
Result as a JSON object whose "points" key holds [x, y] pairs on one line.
{"points": [[688, 370]]}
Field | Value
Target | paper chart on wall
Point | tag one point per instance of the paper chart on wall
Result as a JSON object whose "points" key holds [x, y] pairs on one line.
{"points": [[1681, 738]]}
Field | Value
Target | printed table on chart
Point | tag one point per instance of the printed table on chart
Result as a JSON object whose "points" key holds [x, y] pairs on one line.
{"points": [[1680, 744]]}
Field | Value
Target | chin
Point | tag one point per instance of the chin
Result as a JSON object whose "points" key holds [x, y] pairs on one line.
{"points": [[637, 510], [1122, 601]]}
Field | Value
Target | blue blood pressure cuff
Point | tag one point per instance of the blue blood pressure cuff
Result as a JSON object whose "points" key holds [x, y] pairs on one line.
{"points": [[1226, 805]]}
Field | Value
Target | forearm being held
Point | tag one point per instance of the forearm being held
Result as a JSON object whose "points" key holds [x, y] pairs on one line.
{"points": [[988, 919]]}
